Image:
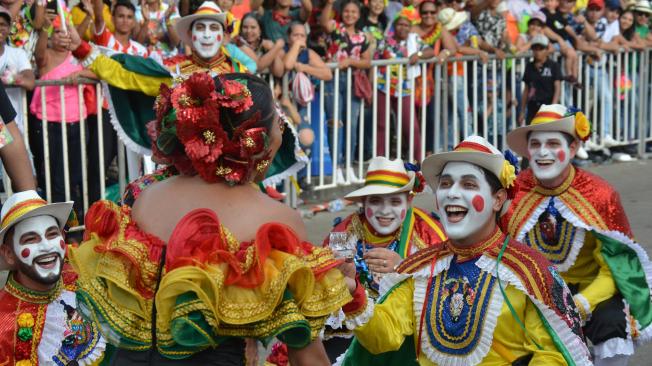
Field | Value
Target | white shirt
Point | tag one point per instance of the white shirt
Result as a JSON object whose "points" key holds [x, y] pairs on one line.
{"points": [[12, 62], [613, 29]]}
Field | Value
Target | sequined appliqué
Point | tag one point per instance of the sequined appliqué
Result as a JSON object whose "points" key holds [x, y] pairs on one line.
{"points": [[457, 307], [552, 235]]}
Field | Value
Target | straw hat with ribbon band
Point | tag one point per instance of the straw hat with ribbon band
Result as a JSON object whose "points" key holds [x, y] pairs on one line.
{"points": [[384, 176], [24, 205], [478, 151], [207, 10], [552, 117]]}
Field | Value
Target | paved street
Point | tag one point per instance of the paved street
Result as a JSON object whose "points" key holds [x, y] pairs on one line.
{"points": [[633, 181]]}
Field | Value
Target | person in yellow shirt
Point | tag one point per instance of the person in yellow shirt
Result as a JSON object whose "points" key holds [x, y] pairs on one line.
{"points": [[576, 220], [83, 19], [479, 298]]}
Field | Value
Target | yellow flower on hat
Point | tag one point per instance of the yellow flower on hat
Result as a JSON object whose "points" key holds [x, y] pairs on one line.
{"points": [[582, 126], [507, 175], [25, 320]]}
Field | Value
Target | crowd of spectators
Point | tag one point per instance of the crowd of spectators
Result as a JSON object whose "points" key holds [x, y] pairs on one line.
{"points": [[298, 38]]}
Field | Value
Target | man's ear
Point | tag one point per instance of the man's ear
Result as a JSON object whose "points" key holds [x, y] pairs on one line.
{"points": [[7, 253], [499, 200], [572, 148]]}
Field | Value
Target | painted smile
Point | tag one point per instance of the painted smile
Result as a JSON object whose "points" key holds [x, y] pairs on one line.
{"points": [[455, 213]]}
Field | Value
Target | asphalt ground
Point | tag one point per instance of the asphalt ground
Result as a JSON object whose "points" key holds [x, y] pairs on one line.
{"points": [[632, 180]]}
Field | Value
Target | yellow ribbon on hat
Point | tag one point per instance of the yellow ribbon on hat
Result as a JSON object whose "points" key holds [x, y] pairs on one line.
{"points": [[507, 174]]}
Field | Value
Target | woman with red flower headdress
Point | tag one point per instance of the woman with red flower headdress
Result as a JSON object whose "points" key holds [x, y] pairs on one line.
{"points": [[203, 259]]}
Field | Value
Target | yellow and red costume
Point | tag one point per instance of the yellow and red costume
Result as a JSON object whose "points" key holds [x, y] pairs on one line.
{"points": [[494, 303], [45, 328], [582, 228]]}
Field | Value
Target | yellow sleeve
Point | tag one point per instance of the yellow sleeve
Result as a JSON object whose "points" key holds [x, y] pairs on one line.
{"points": [[548, 355], [603, 286], [391, 323], [113, 73]]}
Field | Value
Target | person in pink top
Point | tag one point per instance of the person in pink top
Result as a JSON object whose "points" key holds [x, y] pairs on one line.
{"points": [[55, 62]]}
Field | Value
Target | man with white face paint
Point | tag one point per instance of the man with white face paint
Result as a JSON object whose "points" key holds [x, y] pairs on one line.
{"points": [[479, 298], [576, 220], [377, 238], [37, 305]]}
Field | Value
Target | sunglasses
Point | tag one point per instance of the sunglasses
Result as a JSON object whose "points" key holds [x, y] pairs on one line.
{"points": [[454, 1], [641, 14], [428, 12]]}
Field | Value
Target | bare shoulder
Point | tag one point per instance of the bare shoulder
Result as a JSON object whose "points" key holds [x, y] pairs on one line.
{"points": [[290, 217]]}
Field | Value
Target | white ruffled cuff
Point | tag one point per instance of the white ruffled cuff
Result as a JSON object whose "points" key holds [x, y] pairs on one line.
{"points": [[360, 318], [584, 307]]}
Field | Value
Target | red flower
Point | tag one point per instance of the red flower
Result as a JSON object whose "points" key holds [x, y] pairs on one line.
{"points": [[201, 85], [235, 95], [163, 102]]}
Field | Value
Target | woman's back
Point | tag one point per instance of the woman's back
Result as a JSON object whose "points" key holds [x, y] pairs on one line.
{"points": [[241, 208]]}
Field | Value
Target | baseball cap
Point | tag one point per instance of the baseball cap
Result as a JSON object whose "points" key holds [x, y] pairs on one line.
{"points": [[595, 4], [540, 40]]}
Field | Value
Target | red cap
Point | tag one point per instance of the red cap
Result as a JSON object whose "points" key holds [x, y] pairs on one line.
{"points": [[596, 4]]}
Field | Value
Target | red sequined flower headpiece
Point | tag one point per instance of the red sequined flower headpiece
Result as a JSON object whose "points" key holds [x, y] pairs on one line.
{"points": [[189, 133]]}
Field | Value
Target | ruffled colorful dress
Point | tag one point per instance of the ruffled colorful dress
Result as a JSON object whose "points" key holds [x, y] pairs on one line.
{"points": [[204, 287]]}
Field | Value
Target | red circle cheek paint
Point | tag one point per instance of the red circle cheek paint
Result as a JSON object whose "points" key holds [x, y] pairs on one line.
{"points": [[369, 212], [63, 244], [402, 214], [561, 155], [219, 38], [194, 38], [25, 253], [478, 203]]}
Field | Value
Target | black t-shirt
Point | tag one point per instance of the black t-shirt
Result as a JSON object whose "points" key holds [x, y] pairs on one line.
{"points": [[557, 22], [541, 82], [7, 112]]}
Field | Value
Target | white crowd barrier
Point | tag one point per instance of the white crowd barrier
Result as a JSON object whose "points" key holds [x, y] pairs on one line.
{"points": [[615, 95]]}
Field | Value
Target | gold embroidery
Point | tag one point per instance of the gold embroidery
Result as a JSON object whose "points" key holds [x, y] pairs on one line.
{"points": [[559, 190]]}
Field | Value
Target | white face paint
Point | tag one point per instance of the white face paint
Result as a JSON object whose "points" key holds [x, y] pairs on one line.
{"points": [[464, 199], [549, 154], [385, 213], [207, 36], [40, 248]]}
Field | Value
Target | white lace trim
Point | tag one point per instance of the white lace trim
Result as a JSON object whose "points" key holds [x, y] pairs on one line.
{"points": [[389, 280], [581, 300], [613, 347], [576, 245], [336, 319], [352, 322], [574, 344], [486, 337], [54, 328], [95, 52], [533, 219], [124, 137]]}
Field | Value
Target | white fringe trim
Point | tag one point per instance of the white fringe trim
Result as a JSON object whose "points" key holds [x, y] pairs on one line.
{"points": [[580, 300], [124, 137], [475, 357], [613, 347], [576, 245], [574, 344], [362, 318], [336, 319]]}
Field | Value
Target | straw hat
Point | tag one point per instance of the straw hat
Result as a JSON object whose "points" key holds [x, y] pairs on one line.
{"points": [[207, 10], [23, 205], [384, 176], [643, 6], [451, 19], [552, 117]]}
